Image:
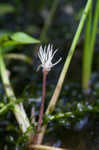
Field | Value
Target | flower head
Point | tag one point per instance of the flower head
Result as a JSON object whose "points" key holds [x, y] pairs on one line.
{"points": [[46, 55]]}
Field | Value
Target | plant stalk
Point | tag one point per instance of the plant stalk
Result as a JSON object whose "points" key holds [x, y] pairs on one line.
{"points": [[43, 100], [48, 20], [57, 91], [21, 57], [19, 114], [86, 52], [41, 107], [90, 49]]}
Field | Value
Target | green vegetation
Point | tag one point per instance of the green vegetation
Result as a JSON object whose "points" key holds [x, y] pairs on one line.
{"points": [[45, 22], [91, 31]]}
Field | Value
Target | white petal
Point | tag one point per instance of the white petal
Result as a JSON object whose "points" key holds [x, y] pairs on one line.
{"points": [[46, 55], [57, 62]]}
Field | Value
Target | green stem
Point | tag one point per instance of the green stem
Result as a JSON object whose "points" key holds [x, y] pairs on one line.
{"points": [[19, 113], [90, 49], [60, 116], [68, 59], [57, 91], [21, 57], [5, 108], [85, 72], [48, 21]]}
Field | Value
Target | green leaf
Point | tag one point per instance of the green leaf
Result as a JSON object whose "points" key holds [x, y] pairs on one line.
{"points": [[23, 38], [9, 46], [4, 36], [21, 57], [6, 8], [9, 43], [1, 104]]}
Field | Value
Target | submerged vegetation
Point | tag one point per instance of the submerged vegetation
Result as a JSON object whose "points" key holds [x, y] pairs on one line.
{"points": [[72, 106]]}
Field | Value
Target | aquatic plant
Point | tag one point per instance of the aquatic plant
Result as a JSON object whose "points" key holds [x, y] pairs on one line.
{"points": [[8, 42], [90, 38], [58, 88], [45, 57], [43, 36]]}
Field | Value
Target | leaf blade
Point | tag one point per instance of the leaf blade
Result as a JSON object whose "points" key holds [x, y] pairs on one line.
{"points": [[24, 38]]}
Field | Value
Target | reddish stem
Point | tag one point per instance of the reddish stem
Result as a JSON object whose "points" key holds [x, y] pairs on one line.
{"points": [[43, 100], [42, 106]]}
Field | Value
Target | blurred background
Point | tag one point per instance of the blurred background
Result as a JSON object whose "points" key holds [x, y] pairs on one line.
{"points": [[55, 22]]}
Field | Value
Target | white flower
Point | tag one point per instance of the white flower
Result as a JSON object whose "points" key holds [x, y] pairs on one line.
{"points": [[46, 55]]}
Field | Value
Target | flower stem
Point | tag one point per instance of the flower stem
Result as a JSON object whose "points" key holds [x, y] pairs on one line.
{"points": [[57, 91], [43, 100], [41, 107]]}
